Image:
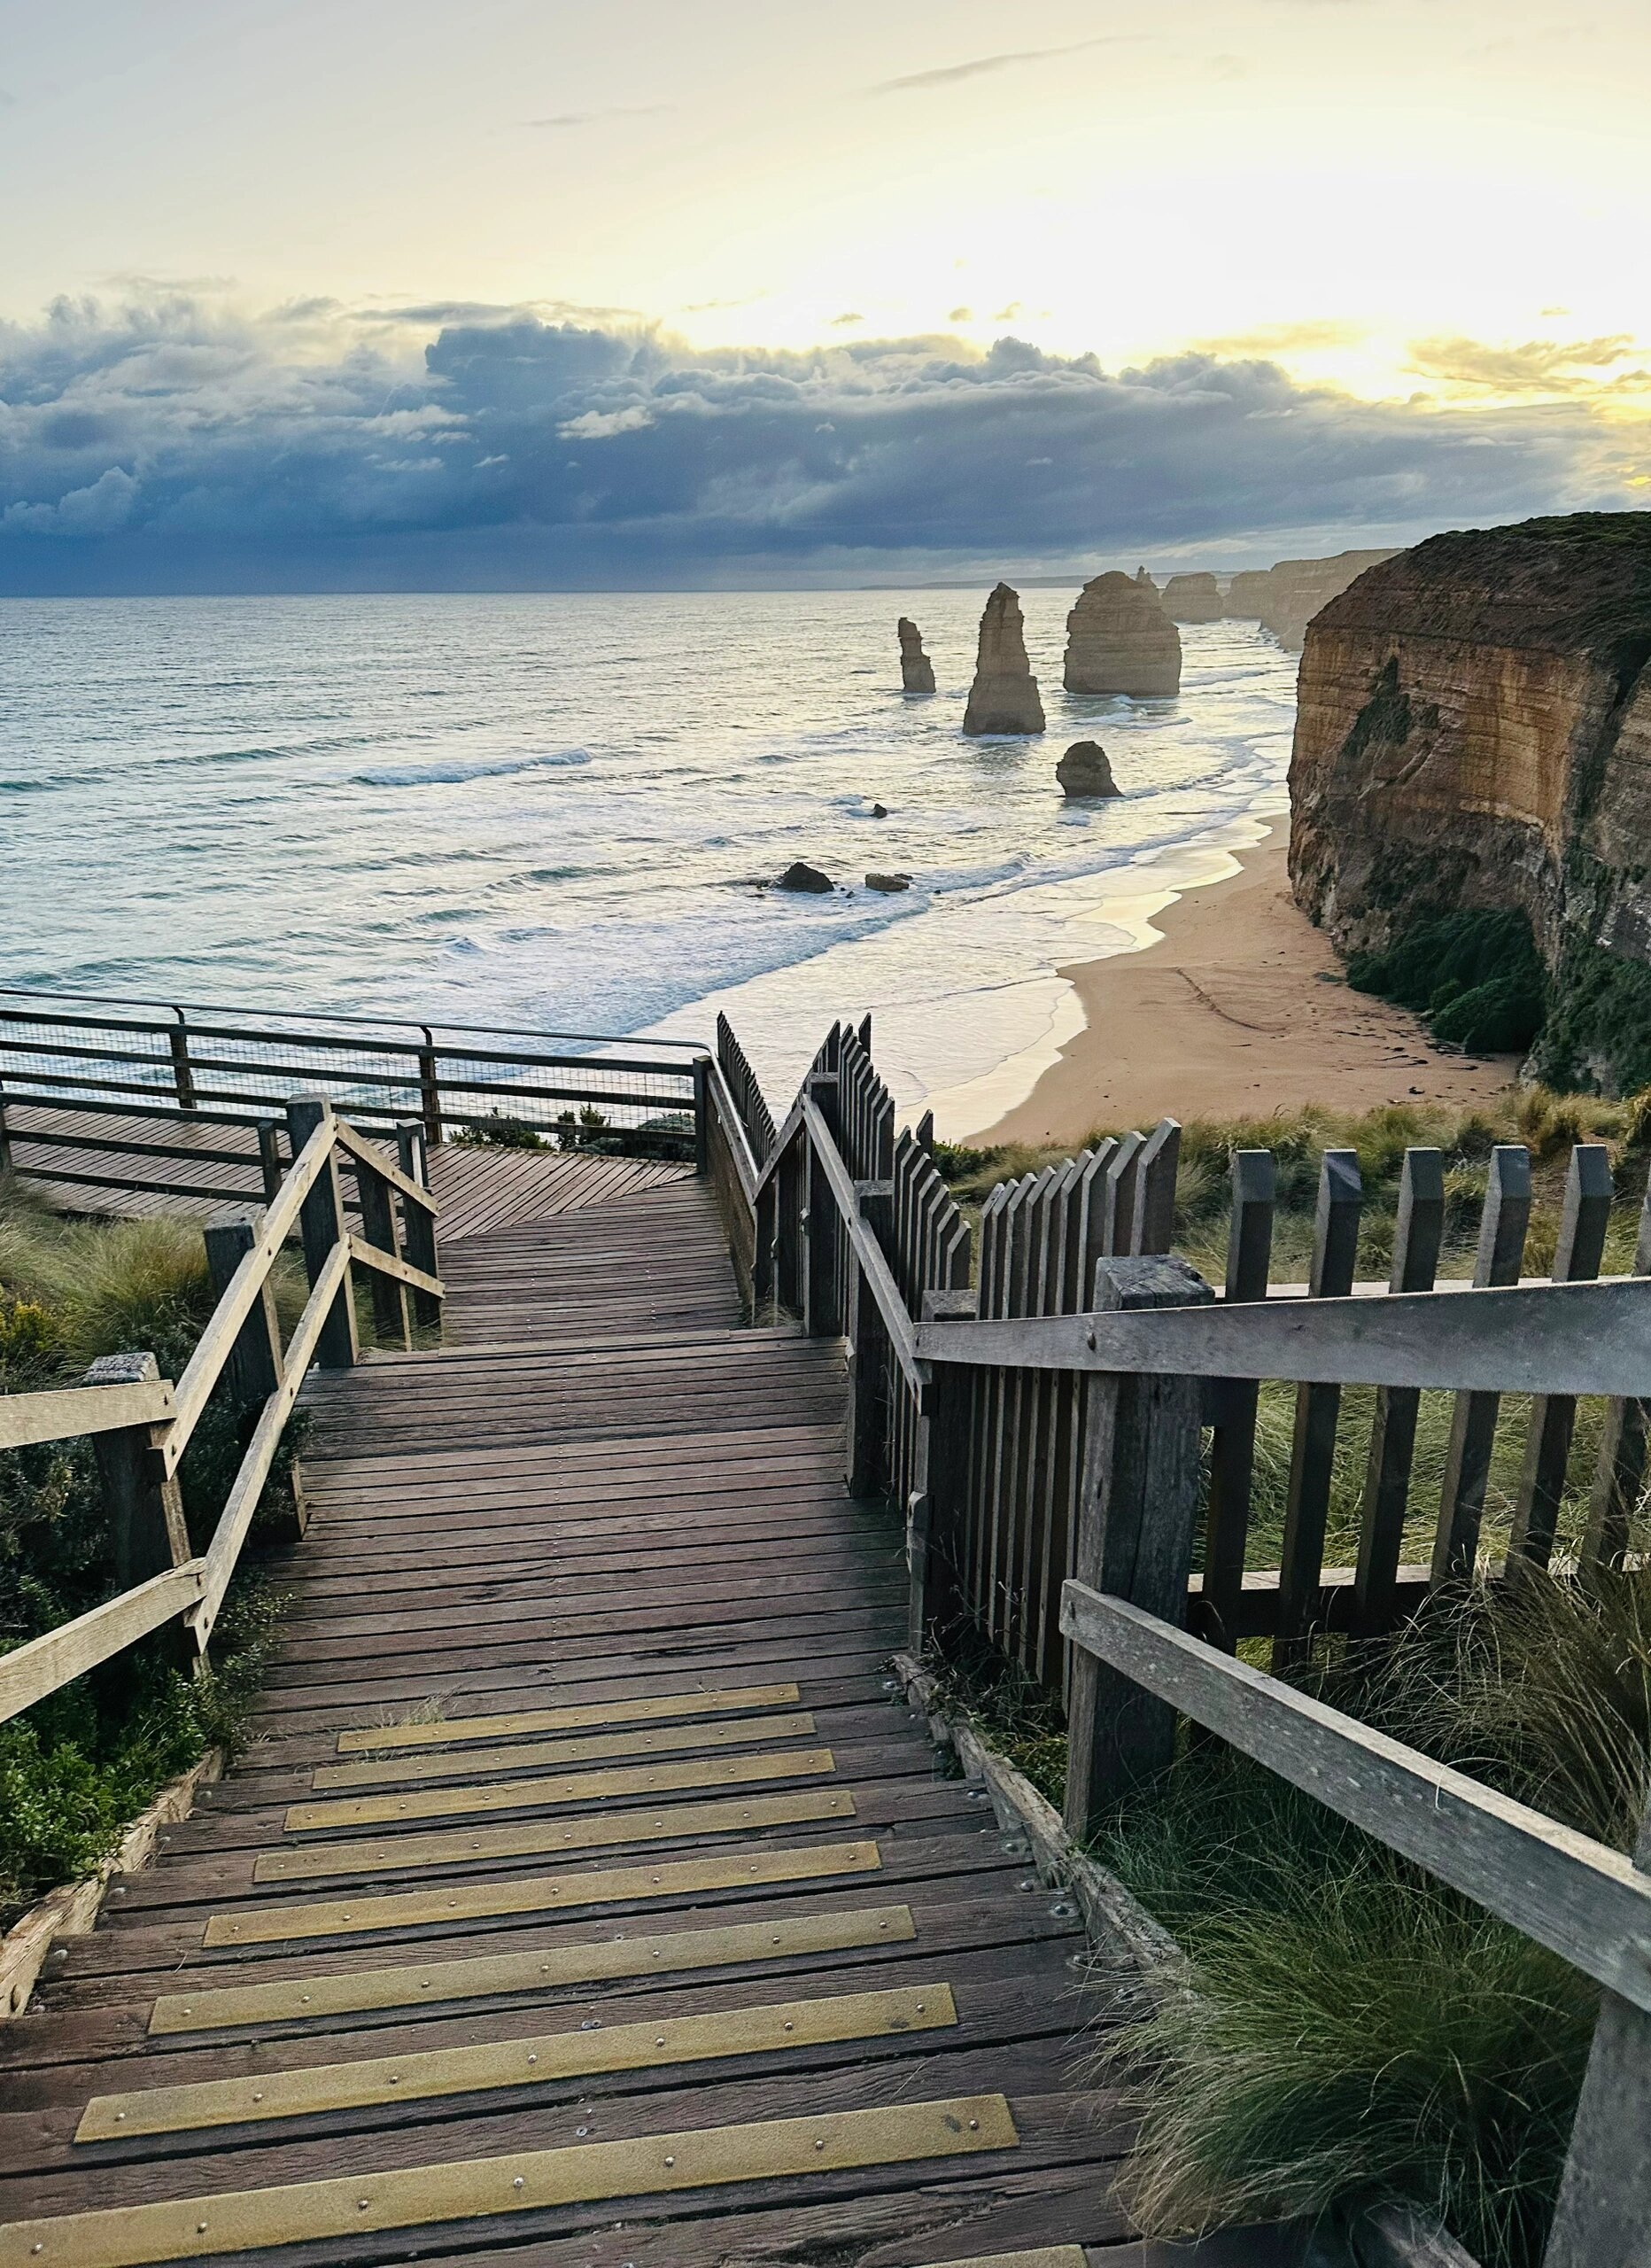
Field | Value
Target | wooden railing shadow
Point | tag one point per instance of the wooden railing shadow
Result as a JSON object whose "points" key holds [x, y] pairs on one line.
{"points": [[141, 1424], [1041, 1430]]}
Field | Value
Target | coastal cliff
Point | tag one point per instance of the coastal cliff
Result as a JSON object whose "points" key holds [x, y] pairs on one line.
{"points": [[1473, 735], [1284, 598]]}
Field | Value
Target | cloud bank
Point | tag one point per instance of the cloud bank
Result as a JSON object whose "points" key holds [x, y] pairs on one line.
{"points": [[172, 445]]}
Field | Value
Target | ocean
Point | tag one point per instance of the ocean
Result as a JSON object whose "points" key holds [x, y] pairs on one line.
{"points": [[555, 811]]}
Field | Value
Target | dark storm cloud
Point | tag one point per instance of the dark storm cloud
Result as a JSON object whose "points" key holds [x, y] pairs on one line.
{"points": [[170, 445]]}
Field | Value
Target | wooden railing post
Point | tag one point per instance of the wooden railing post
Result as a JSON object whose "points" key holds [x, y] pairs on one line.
{"points": [[940, 1481], [1318, 1408], [252, 1372], [1502, 1228], [1417, 1236], [429, 1089], [183, 1073], [5, 1140], [147, 1530], [790, 1198], [821, 1316], [701, 1115], [1587, 1217], [1232, 1452], [766, 1233], [1604, 2208], [868, 1402], [270, 1157], [1620, 1474], [418, 1226], [1135, 1517], [378, 1227], [321, 1222]]}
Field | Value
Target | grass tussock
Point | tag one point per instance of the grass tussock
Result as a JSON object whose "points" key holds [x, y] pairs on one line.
{"points": [[78, 1767], [1350, 2027]]}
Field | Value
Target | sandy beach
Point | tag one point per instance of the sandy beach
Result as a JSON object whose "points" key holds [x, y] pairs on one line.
{"points": [[1234, 1004]]}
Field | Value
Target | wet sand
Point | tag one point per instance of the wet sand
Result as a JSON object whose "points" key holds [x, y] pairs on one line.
{"points": [[1235, 1007]]}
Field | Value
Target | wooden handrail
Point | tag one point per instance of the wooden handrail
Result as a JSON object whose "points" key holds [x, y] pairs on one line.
{"points": [[368, 1153], [868, 1254], [732, 1127], [216, 1343], [39, 1666], [161, 1418], [1588, 1338], [63, 1412], [1584, 1901]]}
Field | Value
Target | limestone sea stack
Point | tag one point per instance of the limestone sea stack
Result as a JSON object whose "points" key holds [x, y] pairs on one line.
{"points": [[917, 671], [1119, 639], [1191, 598], [1145, 581], [1474, 734], [1084, 771], [1004, 697]]}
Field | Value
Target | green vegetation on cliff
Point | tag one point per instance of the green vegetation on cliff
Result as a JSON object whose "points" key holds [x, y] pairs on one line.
{"points": [[1474, 976]]}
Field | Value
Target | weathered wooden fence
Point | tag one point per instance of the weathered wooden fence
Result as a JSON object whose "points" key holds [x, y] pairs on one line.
{"points": [[115, 1093], [1045, 1430], [141, 1424]]}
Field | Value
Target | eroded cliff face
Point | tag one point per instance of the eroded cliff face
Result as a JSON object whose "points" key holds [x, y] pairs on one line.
{"points": [[1283, 598], [1474, 729]]}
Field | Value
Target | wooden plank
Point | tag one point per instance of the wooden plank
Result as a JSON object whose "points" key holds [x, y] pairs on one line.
{"points": [[536, 1894], [1318, 1408], [322, 2211], [618, 1783], [1502, 1229], [715, 1701], [767, 2027], [1417, 1236], [603, 1831], [1620, 1475], [1254, 1182], [1134, 1536], [528, 1755], [1584, 1221], [1584, 1901]]}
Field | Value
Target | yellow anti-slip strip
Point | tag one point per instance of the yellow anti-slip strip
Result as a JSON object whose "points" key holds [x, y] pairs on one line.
{"points": [[661, 1707], [428, 1984], [776, 2029], [410, 1854], [419, 1909], [797, 1724], [527, 2181], [560, 1788], [1048, 2256]]}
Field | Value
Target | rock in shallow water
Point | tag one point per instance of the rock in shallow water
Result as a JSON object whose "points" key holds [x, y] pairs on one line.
{"points": [[1084, 771], [889, 883], [801, 876]]}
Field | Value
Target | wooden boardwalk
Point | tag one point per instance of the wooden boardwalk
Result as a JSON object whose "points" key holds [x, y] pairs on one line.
{"points": [[481, 1187], [589, 1894]]}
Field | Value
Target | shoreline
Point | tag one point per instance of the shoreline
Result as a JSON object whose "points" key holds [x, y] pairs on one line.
{"points": [[1231, 1005]]}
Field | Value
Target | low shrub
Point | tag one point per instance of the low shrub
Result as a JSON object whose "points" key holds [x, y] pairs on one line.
{"points": [[1475, 976], [1347, 2025]]}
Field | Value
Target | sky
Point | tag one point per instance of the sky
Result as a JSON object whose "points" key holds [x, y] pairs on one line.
{"points": [[364, 295]]}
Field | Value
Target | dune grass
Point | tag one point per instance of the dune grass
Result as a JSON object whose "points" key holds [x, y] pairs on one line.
{"points": [[78, 1767]]}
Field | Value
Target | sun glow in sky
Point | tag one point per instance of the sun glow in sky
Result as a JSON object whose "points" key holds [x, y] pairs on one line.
{"points": [[528, 289], [1351, 186]]}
